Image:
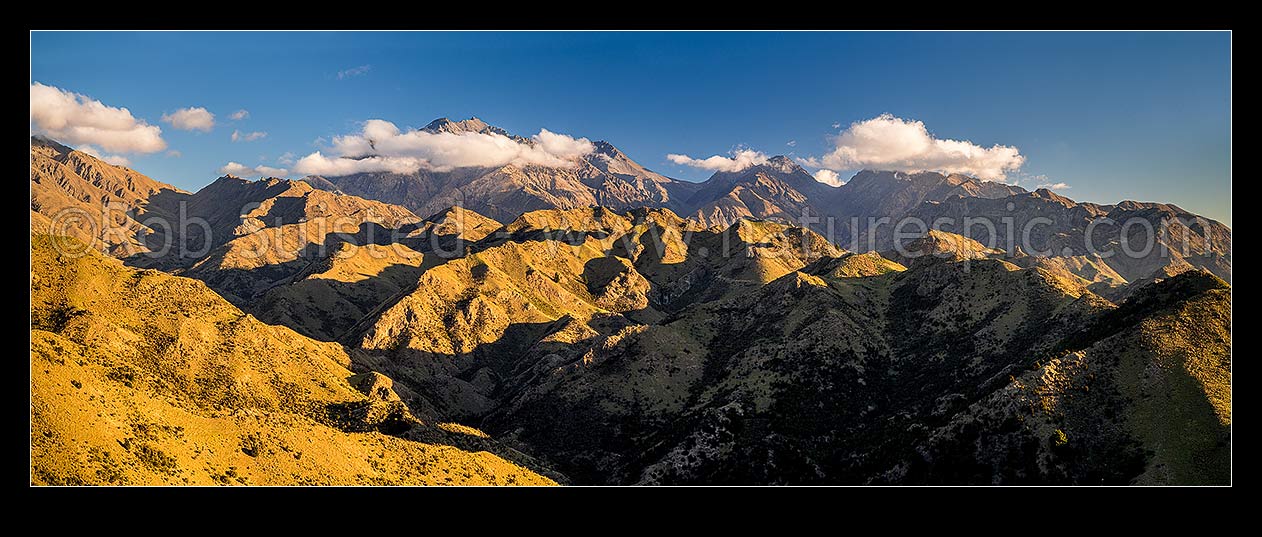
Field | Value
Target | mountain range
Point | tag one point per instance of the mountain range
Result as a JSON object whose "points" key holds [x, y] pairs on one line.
{"points": [[780, 189], [605, 177], [605, 324]]}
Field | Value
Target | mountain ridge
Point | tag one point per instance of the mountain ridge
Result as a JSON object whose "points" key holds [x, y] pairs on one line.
{"points": [[77, 189], [638, 345]]}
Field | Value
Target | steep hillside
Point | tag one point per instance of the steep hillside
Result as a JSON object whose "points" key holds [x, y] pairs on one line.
{"points": [[824, 380], [330, 295], [553, 278], [812, 376], [323, 294], [782, 190], [1091, 270], [877, 194], [1160, 236], [627, 348], [778, 189], [940, 245], [1143, 396], [223, 219], [88, 199], [139, 377], [244, 237]]}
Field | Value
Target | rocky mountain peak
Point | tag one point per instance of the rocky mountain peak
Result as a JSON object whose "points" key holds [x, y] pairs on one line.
{"points": [[937, 244], [227, 179], [777, 165], [608, 149], [1052, 196], [472, 124], [783, 164], [865, 177], [40, 140], [1168, 208]]}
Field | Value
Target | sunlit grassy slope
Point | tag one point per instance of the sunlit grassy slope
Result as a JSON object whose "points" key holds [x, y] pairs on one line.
{"points": [[139, 377]]}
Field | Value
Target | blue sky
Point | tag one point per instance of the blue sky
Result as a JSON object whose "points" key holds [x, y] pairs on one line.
{"points": [[1111, 115]]}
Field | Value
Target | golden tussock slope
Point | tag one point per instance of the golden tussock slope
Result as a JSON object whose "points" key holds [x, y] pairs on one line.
{"points": [[138, 377]]}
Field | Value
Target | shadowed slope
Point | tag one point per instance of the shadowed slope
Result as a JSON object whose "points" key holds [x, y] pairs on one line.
{"points": [[1162, 237], [629, 348], [1143, 396]]}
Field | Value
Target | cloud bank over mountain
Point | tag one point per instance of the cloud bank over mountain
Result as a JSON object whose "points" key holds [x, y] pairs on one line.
{"points": [[739, 160], [241, 170], [382, 146]]}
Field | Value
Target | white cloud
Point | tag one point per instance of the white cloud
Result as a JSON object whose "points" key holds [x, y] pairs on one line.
{"points": [[791, 143], [117, 160], [174, 153], [191, 119], [1042, 181], [239, 115], [381, 146], [890, 143], [561, 145], [287, 158], [837, 125], [829, 177], [353, 72], [270, 171], [241, 170], [740, 159], [77, 119], [236, 168], [238, 136], [318, 164]]}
